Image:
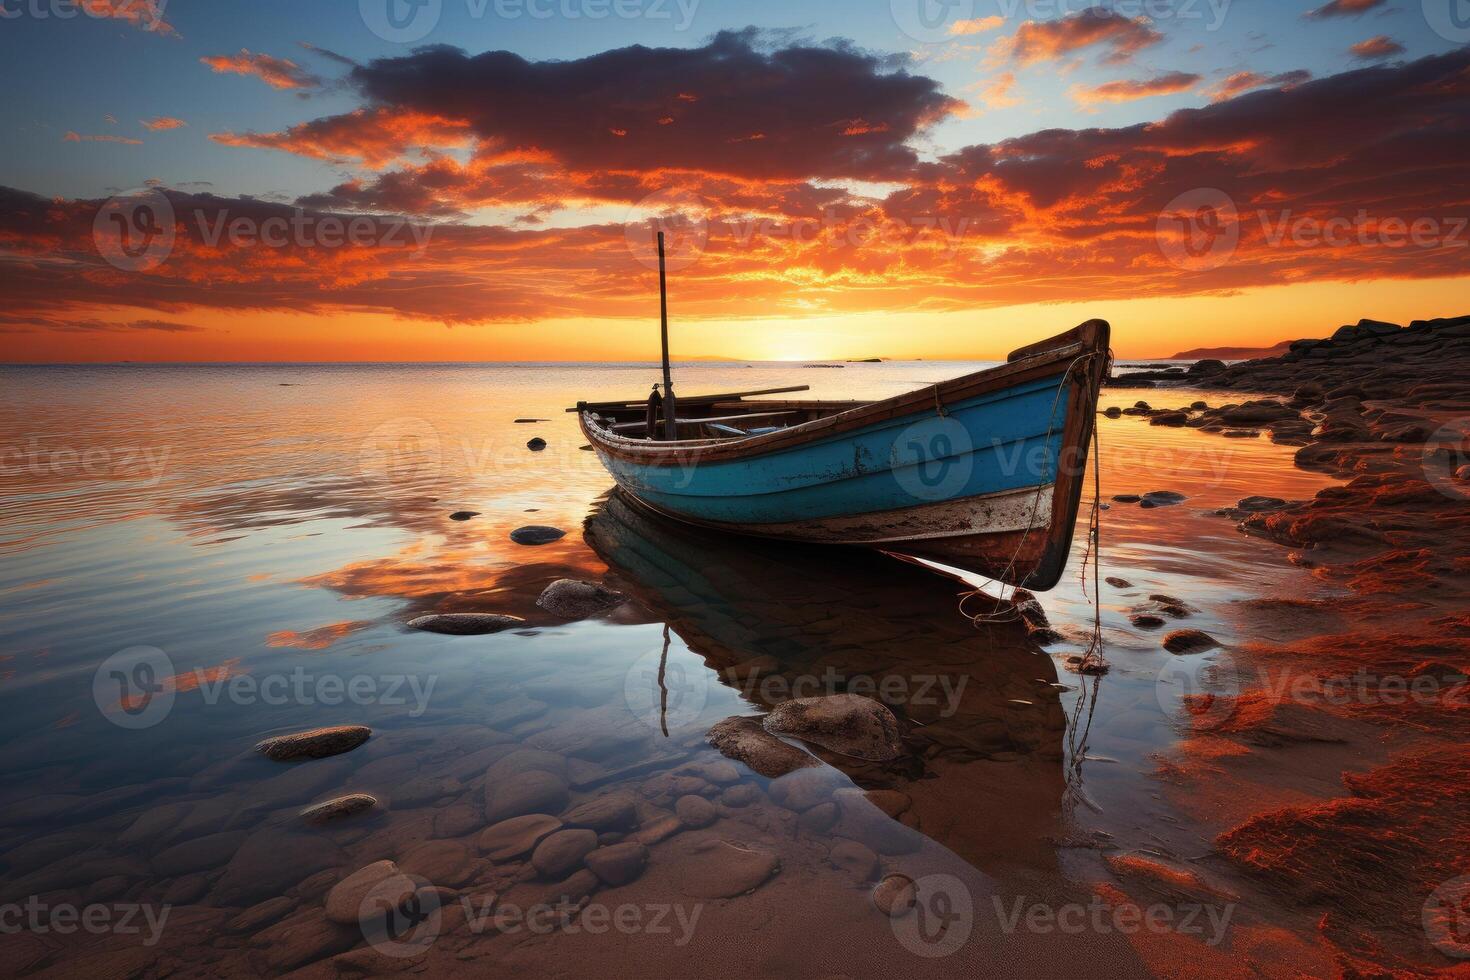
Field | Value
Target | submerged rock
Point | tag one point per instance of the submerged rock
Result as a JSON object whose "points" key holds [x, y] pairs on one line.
{"points": [[563, 852], [342, 806], [537, 534], [1189, 641], [530, 791], [463, 515], [574, 599], [345, 899], [616, 811], [1162, 498], [618, 864], [466, 624], [744, 740], [894, 896], [536, 445], [695, 811], [319, 743], [848, 724], [719, 869], [517, 836]]}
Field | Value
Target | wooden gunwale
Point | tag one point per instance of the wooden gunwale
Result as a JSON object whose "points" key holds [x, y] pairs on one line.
{"points": [[675, 453]]}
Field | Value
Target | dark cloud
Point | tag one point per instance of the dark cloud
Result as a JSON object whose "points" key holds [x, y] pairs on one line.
{"points": [[723, 108]]}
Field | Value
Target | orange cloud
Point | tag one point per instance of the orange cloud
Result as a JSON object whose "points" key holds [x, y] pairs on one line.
{"points": [[144, 14], [1125, 90], [1245, 81], [1343, 8], [1376, 48], [978, 25], [374, 136], [279, 73], [74, 137], [1123, 37], [159, 123]]}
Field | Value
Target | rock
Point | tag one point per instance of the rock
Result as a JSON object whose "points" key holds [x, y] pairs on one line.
{"points": [[1162, 498], [719, 869], [1126, 498], [303, 938], [1118, 583], [658, 829], [423, 790], [531, 791], [466, 624], [271, 861], [573, 599], [619, 863], [695, 811], [1171, 419], [1113, 413], [199, 854], [819, 819], [1256, 505], [319, 743], [1189, 641], [562, 852], [740, 795], [1147, 621], [463, 515], [720, 772], [890, 801], [1207, 366], [862, 821], [536, 444], [444, 862], [528, 421], [336, 809], [894, 896], [512, 838], [184, 891], [616, 811], [848, 724], [857, 861], [345, 899], [537, 534], [259, 916], [744, 740], [806, 788], [456, 820]]}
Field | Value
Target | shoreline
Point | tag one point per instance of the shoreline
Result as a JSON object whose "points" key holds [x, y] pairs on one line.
{"points": [[1362, 707]]}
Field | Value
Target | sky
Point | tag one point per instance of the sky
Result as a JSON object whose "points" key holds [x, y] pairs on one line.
{"points": [[448, 180]]}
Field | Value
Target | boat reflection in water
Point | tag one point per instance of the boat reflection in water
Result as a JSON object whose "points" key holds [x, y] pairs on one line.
{"points": [[981, 706]]}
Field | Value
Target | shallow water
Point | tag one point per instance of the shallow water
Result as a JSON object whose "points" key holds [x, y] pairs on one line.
{"points": [[265, 532]]}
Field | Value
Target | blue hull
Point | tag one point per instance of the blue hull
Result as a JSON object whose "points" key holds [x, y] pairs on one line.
{"points": [[986, 445]]}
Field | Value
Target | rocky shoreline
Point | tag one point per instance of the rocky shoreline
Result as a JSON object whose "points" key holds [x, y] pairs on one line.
{"points": [[1368, 677]]}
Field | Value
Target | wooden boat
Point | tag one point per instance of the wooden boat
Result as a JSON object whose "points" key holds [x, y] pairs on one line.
{"points": [[983, 471]]}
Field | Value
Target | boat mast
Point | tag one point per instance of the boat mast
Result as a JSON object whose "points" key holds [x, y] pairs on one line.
{"points": [[671, 428]]}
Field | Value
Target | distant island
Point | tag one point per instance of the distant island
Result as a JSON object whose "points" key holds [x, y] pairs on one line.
{"points": [[1231, 353]]}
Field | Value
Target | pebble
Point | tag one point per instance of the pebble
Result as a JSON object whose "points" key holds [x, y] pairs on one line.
{"points": [[319, 743], [573, 599], [848, 724], [345, 900], [695, 811], [536, 444], [342, 806], [463, 515], [466, 624], [619, 863], [1189, 641], [532, 791], [512, 838], [894, 896], [616, 811], [563, 852], [537, 534], [719, 869]]}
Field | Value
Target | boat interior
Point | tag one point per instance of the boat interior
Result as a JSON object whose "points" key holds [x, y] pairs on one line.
{"points": [[712, 417]]}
